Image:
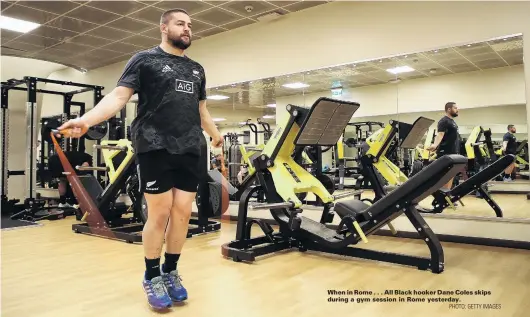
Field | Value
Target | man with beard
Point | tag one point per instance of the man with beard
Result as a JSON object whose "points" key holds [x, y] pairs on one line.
{"points": [[166, 135], [448, 139]]}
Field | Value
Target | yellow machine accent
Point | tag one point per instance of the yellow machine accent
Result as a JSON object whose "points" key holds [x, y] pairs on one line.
{"points": [[246, 155], [429, 139], [340, 148], [286, 185], [471, 140], [519, 160], [108, 155], [388, 170]]}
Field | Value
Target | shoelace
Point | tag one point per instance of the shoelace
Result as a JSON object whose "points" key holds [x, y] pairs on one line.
{"points": [[175, 279], [158, 288]]}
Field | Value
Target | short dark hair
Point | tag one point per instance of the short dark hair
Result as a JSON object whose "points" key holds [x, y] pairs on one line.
{"points": [[164, 19], [449, 105], [510, 126]]}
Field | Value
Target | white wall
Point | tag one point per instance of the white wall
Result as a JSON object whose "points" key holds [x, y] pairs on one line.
{"points": [[17, 68], [352, 31]]}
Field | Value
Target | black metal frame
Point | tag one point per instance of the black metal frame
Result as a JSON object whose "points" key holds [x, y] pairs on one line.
{"points": [[8, 206], [306, 234], [474, 183], [440, 203], [112, 225], [245, 248]]}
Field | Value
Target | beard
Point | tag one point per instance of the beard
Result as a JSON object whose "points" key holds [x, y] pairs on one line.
{"points": [[178, 42], [454, 114]]}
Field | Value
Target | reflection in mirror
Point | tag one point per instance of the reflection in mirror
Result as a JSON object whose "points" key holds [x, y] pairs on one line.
{"points": [[482, 87]]}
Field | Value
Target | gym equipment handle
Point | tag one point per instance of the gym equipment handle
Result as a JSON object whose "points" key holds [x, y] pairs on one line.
{"points": [[346, 194], [271, 206], [110, 147], [14, 173], [91, 168]]}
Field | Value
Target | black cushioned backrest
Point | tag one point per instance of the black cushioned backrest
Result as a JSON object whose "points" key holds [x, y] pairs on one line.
{"points": [[485, 175], [417, 132], [92, 186], [326, 121], [423, 184]]}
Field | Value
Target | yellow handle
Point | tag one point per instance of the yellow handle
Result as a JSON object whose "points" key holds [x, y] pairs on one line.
{"points": [[392, 229], [84, 216], [360, 231], [450, 202]]}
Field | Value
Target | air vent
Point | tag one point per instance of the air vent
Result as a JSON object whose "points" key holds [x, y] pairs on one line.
{"points": [[269, 16]]}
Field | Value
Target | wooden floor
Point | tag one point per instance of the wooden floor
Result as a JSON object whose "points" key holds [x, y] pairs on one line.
{"points": [[49, 271]]}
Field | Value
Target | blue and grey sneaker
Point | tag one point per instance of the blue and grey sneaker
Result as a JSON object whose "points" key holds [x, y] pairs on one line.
{"points": [[174, 287], [156, 293]]}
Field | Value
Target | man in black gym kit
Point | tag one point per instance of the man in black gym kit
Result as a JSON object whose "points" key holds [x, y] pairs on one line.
{"points": [[448, 138], [509, 146], [166, 135]]}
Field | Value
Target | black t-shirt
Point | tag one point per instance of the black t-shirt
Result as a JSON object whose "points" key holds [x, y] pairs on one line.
{"points": [[169, 90], [511, 147], [451, 140]]}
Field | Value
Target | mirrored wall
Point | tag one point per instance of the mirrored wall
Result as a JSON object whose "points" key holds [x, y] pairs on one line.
{"points": [[474, 94], [403, 100]]}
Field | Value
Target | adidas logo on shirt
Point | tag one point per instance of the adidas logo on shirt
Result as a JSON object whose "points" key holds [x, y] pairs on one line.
{"points": [[166, 69]]}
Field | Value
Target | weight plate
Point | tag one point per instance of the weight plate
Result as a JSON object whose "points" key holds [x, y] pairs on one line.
{"points": [[98, 132], [219, 199], [143, 212], [47, 127], [216, 192]]}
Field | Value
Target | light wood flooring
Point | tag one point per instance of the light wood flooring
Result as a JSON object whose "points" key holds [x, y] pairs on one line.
{"points": [[49, 271]]}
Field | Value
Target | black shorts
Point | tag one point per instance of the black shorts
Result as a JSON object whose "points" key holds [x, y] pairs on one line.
{"points": [[160, 171]]}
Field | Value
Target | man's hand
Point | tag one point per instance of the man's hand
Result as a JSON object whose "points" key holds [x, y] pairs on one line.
{"points": [[74, 128], [217, 140], [432, 147]]}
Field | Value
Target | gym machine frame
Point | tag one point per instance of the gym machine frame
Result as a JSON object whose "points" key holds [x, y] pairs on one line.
{"points": [[110, 223], [8, 205], [282, 179], [375, 163]]}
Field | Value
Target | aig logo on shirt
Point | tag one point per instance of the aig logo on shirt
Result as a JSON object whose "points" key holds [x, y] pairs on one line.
{"points": [[184, 86]]}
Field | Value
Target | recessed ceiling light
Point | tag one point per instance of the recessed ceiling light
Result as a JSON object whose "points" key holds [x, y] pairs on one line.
{"points": [[218, 97], [272, 105], [269, 116], [296, 85], [400, 69], [17, 25], [218, 119]]}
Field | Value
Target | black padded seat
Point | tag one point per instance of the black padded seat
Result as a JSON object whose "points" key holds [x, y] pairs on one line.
{"points": [[434, 175], [354, 208]]}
